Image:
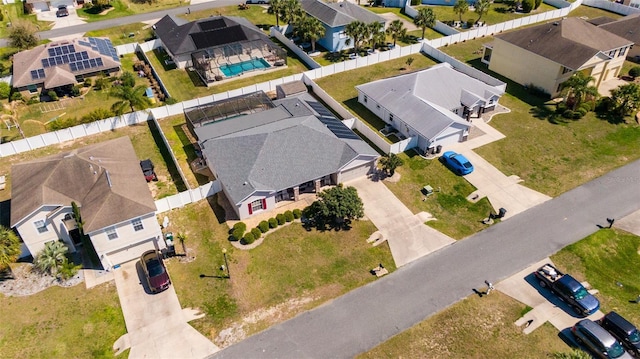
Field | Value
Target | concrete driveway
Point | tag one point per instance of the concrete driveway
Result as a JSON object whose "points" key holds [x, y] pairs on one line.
{"points": [[156, 324], [409, 238], [524, 288], [502, 191], [60, 22]]}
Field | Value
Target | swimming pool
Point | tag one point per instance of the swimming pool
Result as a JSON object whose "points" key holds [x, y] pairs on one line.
{"points": [[239, 68]]}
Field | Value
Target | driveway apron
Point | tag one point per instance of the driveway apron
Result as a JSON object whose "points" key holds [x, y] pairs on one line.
{"points": [[409, 238], [156, 324]]}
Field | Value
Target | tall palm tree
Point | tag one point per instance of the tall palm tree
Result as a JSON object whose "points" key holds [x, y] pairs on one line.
{"points": [[396, 30], [461, 7], [425, 18], [291, 11], [356, 30], [311, 29], [626, 99], [482, 7], [132, 97], [578, 88], [376, 33], [52, 257], [9, 247], [275, 8], [390, 162]]}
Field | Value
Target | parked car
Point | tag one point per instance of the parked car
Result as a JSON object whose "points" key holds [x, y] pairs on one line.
{"points": [[257, 2], [598, 340], [62, 11], [568, 289], [457, 162], [148, 170], [155, 271], [623, 330]]}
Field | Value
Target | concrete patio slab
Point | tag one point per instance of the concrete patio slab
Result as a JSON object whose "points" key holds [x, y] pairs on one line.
{"points": [[409, 238], [630, 223]]}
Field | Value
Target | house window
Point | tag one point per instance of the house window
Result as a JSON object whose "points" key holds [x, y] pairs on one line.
{"points": [[111, 233], [391, 117], [257, 205], [41, 226], [32, 88], [565, 70], [366, 99], [342, 35], [137, 224], [622, 51]]}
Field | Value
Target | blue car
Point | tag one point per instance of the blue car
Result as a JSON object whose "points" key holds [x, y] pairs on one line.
{"points": [[457, 162]]}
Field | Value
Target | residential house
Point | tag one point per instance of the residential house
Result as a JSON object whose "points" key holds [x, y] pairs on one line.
{"points": [[49, 5], [275, 151], [218, 47], [106, 182], [59, 65], [546, 55], [335, 16], [627, 27], [631, 3], [432, 106]]}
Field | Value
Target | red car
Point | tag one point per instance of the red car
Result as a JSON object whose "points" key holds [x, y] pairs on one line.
{"points": [[148, 170], [155, 271]]}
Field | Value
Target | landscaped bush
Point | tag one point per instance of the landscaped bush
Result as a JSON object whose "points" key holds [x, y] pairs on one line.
{"points": [[263, 226], [33, 99], [561, 108], [248, 238], [288, 216], [415, 2], [257, 233], [128, 79], [527, 5], [87, 82], [273, 223], [567, 114], [297, 213], [5, 89], [95, 115], [237, 234], [170, 101], [62, 123], [634, 71], [16, 96], [53, 95], [280, 218], [241, 225], [580, 111]]}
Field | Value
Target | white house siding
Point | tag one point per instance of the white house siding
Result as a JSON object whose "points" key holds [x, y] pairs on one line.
{"points": [[35, 241], [243, 209], [356, 169], [130, 253], [451, 135], [128, 238]]}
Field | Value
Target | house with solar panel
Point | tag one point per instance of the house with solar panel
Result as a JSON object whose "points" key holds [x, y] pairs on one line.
{"points": [[267, 153], [433, 107], [218, 47], [60, 65]]}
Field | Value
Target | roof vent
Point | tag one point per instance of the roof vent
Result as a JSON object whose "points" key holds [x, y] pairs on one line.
{"points": [[245, 183], [555, 23]]}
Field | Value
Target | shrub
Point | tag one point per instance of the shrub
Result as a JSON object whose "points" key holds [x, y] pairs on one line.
{"points": [[561, 107], [297, 213], [240, 225], [128, 79], [273, 223], [237, 234], [415, 2], [263, 226], [587, 106], [170, 101], [634, 71], [33, 99], [5, 89], [280, 218], [75, 91], [95, 115], [288, 216], [577, 115], [62, 123], [16, 96], [528, 5], [248, 238], [53, 95], [538, 3], [87, 82], [580, 111], [257, 233], [567, 114]]}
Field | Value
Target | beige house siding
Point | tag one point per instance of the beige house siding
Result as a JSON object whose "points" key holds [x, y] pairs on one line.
{"points": [[35, 241]]}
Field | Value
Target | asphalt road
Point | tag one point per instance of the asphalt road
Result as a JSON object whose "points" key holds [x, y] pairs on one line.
{"points": [[368, 316]]}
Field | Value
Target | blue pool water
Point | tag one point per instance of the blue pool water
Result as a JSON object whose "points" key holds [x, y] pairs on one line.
{"points": [[237, 69]]}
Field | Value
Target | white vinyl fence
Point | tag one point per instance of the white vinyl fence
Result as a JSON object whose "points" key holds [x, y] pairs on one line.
{"points": [[190, 196], [612, 6]]}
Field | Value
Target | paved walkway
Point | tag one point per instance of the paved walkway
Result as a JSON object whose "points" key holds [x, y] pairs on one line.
{"points": [[409, 238], [156, 324], [502, 191]]}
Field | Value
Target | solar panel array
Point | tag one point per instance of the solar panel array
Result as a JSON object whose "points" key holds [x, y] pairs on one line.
{"points": [[103, 46], [37, 74], [333, 124], [86, 64], [64, 59]]}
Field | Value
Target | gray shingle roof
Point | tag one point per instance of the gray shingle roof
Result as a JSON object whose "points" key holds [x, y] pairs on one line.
{"points": [[339, 13], [104, 179], [570, 42], [276, 149], [424, 99], [627, 27], [208, 32]]}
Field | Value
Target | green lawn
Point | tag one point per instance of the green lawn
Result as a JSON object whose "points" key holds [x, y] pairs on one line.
{"points": [[604, 259], [122, 8], [554, 154], [257, 14], [499, 12], [122, 34], [473, 328], [15, 11], [593, 12], [61, 323], [293, 268]]}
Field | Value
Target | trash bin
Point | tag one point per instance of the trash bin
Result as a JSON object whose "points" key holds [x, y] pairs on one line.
{"points": [[501, 212], [171, 249], [438, 148]]}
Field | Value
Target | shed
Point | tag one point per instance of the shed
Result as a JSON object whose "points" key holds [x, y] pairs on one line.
{"points": [[290, 89]]}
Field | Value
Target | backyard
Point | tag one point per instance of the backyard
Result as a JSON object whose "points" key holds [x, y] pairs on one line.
{"points": [[498, 12], [124, 34], [606, 259], [120, 8]]}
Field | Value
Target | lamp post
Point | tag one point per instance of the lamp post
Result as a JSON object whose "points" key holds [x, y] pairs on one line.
{"points": [[224, 253]]}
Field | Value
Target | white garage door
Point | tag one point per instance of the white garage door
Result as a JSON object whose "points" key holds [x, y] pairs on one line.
{"points": [[448, 139], [40, 6], [356, 172], [56, 3], [129, 253]]}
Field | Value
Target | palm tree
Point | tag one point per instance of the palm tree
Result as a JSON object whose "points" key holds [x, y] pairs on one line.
{"points": [[52, 257], [396, 30], [390, 162], [291, 11], [482, 7], [461, 7], [356, 30], [131, 97], [9, 247], [311, 29], [578, 89], [376, 33], [626, 99], [425, 18], [275, 8]]}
